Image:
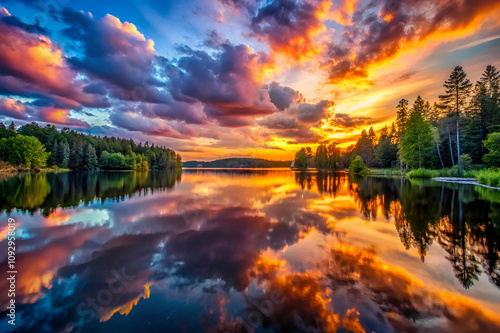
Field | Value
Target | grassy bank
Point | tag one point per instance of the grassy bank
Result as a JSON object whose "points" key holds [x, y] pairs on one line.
{"points": [[489, 176], [8, 168], [386, 172]]}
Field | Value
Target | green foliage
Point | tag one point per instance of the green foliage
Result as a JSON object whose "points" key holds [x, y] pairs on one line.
{"points": [[23, 151], [7, 132], [301, 159], [416, 142], [402, 115], [114, 161], [489, 177], [386, 152], [321, 158], [358, 167], [466, 161], [457, 94], [433, 173], [493, 145], [79, 151], [91, 161], [386, 172], [422, 173], [62, 154], [365, 147]]}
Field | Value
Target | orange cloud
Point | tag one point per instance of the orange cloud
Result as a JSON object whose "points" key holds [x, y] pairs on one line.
{"points": [[401, 27], [290, 28], [343, 11]]}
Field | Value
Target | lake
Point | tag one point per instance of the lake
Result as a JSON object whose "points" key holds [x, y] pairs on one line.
{"points": [[250, 251]]}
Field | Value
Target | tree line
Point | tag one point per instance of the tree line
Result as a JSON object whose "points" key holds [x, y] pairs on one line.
{"points": [[34, 147], [460, 130]]}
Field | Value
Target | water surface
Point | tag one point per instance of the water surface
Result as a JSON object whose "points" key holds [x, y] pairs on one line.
{"points": [[250, 251]]}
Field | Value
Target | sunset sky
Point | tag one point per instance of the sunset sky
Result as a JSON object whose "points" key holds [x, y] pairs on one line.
{"points": [[234, 78]]}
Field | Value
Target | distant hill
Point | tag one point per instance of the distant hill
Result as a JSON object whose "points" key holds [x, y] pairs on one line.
{"points": [[246, 162]]}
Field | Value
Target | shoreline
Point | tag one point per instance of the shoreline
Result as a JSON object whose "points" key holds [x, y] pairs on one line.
{"points": [[466, 181]]}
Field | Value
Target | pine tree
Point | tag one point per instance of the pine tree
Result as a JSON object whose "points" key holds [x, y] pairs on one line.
{"points": [[402, 115], [364, 148], [77, 156], [12, 127], [416, 142], [386, 152], [372, 136], [91, 161], [457, 93], [418, 105], [62, 154], [490, 81], [394, 134]]}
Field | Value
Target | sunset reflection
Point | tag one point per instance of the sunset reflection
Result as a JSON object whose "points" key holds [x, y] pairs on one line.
{"points": [[255, 251]]}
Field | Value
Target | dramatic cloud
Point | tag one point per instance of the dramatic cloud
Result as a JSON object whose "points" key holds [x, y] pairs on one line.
{"points": [[133, 121], [346, 121], [297, 121], [17, 110], [174, 110], [11, 108], [382, 29], [32, 66], [282, 96], [115, 52], [229, 70], [229, 84], [288, 26]]}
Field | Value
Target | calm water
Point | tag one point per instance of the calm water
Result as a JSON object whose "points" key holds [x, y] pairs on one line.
{"points": [[250, 251]]}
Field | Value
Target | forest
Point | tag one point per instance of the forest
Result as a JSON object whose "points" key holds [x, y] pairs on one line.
{"points": [[460, 132], [32, 146]]}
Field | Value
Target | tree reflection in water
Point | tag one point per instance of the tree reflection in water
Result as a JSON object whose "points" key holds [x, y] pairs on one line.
{"points": [[251, 251], [29, 192], [463, 223]]}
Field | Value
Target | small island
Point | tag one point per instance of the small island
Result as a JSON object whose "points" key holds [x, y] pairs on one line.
{"points": [[240, 162]]}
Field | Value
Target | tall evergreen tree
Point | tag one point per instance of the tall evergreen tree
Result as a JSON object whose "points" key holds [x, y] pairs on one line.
{"points": [[402, 115], [416, 142], [62, 154], [77, 155], [491, 82], [386, 152], [456, 96], [91, 161], [479, 109], [364, 148], [419, 106]]}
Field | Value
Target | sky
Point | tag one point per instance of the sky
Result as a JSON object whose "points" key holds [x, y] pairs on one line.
{"points": [[234, 78]]}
